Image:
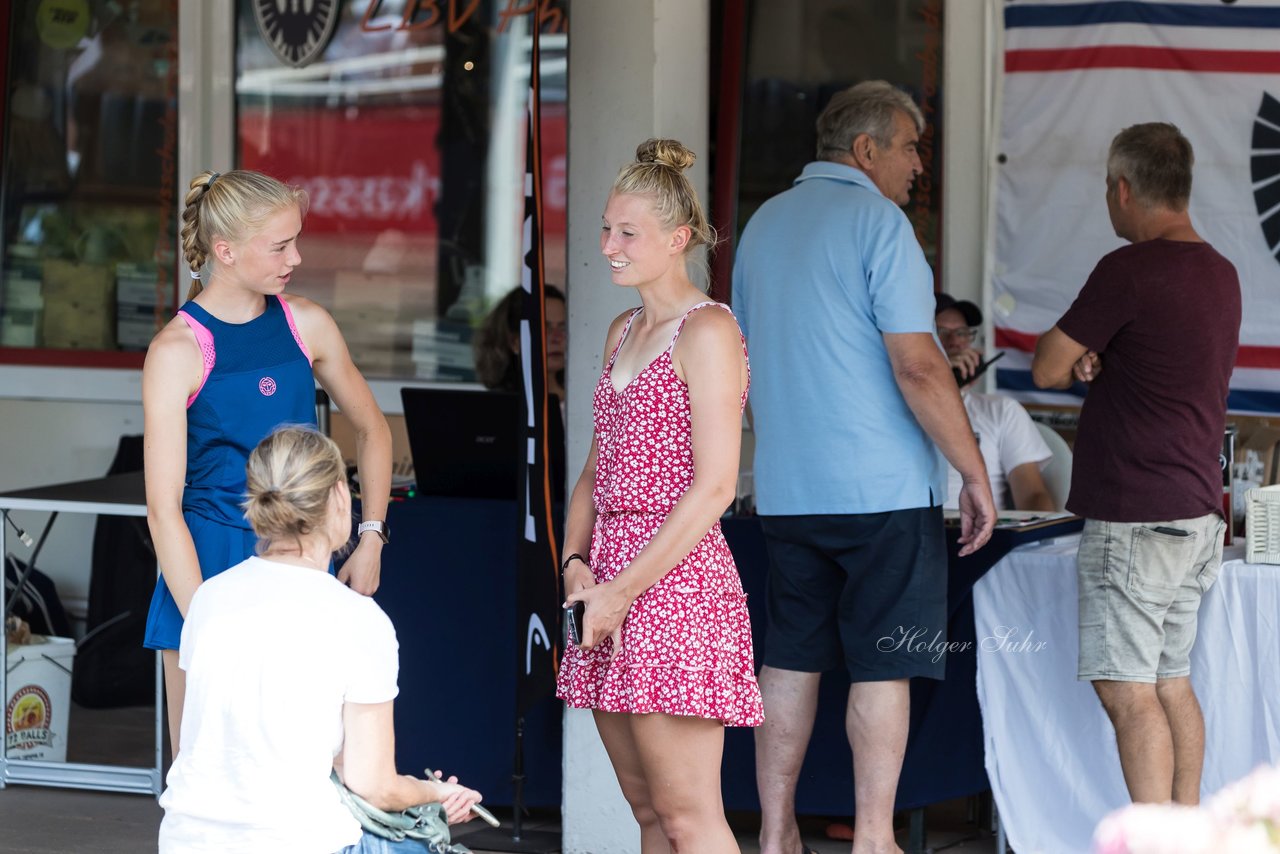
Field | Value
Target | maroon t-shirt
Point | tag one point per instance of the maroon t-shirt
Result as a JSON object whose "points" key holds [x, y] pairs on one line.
{"points": [[1165, 317]]}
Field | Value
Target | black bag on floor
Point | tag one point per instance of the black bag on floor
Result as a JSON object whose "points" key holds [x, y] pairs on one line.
{"points": [[112, 668]]}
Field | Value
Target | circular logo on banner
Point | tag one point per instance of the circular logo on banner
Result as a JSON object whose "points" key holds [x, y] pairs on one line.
{"points": [[62, 23], [27, 719], [1264, 166], [297, 30], [267, 386]]}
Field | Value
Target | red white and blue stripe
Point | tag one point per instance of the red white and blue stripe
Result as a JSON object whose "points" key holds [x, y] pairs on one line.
{"points": [[1076, 73]]}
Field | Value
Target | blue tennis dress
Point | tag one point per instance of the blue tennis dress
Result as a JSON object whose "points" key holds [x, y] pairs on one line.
{"points": [[257, 376]]}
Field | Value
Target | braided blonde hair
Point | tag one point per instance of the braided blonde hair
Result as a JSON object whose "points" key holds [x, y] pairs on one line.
{"points": [[658, 172], [231, 205]]}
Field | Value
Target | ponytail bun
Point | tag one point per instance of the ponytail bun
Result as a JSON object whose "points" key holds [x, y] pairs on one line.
{"points": [[658, 173], [668, 152], [289, 482]]}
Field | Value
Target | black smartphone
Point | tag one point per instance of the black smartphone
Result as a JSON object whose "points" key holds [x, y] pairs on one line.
{"points": [[962, 380], [574, 621]]}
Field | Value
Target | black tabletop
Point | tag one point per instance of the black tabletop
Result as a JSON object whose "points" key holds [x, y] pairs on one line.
{"points": [[125, 489]]}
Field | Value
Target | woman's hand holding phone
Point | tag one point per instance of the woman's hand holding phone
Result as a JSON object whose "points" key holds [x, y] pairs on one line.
{"points": [[606, 606], [577, 576]]}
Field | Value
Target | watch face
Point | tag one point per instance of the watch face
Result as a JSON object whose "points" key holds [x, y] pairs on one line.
{"points": [[297, 30]]}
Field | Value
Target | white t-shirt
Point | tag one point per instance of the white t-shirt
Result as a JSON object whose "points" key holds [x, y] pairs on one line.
{"points": [[271, 652], [1007, 438]]}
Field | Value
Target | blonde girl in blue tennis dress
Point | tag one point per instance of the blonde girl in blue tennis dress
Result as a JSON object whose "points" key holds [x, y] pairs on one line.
{"points": [[240, 359]]}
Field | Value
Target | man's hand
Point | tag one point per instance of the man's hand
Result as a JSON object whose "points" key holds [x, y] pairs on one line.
{"points": [[1087, 367], [1057, 358], [966, 362], [977, 516]]}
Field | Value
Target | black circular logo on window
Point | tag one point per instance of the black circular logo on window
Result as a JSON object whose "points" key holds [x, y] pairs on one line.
{"points": [[1264, 170], [297, 30]]}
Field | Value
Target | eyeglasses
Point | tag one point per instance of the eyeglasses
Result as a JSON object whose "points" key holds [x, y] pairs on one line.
{"points": [[958, 333]]}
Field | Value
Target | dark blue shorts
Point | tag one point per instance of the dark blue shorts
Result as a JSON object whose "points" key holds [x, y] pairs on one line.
{"points": [[867, 590]]}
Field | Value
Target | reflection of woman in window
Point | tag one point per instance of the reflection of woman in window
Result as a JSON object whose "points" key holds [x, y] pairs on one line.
{"points": [[497, 344], [665, 662], [236, 362], [285, 666], [497, 354]]}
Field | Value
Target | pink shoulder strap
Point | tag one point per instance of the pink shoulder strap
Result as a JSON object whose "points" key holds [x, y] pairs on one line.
{"points": [[208, 354], [621, 338], [687, 314], [293, 327]]}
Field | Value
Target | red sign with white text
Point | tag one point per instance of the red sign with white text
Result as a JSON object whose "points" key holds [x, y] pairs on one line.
{"points": [[374, 168]]}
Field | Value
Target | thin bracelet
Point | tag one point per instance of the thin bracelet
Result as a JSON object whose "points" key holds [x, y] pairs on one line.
{"points": [[570, 559]]}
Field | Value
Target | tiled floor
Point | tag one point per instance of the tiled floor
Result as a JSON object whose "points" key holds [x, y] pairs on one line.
{"points": [[37, 820], [40, 820]]}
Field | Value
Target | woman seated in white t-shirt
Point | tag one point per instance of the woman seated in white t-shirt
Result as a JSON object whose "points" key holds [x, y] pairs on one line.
{"points": [[290, 674], [1011, 445]]}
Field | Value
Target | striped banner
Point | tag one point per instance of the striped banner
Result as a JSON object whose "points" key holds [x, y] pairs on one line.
{"points": [[538, 582], [1075, 74]]}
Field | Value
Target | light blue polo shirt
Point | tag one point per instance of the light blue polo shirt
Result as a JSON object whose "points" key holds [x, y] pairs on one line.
{"points": [[822, 271]]}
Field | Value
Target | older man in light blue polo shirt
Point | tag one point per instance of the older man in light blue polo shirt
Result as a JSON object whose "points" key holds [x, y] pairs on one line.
{"points": [[854, 407]]}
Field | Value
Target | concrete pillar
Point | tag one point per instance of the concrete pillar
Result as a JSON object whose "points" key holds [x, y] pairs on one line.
{"points": [[967, 107], [636, 70]]}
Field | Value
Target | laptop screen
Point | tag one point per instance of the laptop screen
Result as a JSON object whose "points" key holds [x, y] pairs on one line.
{"points": [[465, 444]]}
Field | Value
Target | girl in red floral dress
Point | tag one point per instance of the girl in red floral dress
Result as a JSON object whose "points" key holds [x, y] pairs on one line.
{"points": [[665, 661]]}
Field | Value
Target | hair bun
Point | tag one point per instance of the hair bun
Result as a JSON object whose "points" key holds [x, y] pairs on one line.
{"points": [[668, 152]]}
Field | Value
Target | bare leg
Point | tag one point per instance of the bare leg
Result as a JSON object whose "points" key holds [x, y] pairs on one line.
{"points": [[615, 732], [1143, 737], [681, 760], [877, 721], [1186, 725], [790, 703], [175, 691]]}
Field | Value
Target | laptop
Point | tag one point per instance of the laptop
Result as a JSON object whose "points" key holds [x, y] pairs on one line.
{"points": [[465, 444]]}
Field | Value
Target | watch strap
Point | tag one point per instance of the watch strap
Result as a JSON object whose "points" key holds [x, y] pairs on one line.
{"points": [[380, 528]]}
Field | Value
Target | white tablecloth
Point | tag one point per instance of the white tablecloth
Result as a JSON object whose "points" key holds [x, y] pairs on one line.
{"points": [[1050, 750]]}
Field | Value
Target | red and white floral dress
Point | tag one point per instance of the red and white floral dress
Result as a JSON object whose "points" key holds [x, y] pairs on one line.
{"points": [[686, 642]]}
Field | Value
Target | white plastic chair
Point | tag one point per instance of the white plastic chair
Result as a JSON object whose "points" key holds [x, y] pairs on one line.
{"points": [[1057, 472]]}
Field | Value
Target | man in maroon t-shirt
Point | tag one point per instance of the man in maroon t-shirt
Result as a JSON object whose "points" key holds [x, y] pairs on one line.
{"points": [[1154, 332]]}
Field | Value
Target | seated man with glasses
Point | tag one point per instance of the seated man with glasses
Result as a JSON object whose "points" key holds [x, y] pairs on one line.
{"points": [[1010, 443]]}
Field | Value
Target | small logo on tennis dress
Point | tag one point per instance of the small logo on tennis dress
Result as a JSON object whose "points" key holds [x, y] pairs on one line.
{"points": [[267, 386]]}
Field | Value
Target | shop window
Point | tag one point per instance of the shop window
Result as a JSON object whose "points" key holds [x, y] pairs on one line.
{"points": [[408, 132], [798, 54], [87, 227]]}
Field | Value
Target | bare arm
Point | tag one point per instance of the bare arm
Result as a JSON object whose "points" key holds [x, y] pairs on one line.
{"points": [[367, 766], [581, 520], [1028, 488], [170, 375], [709, 355], [339, 377], [580, 523], [1058, 357], [924, 376]]}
